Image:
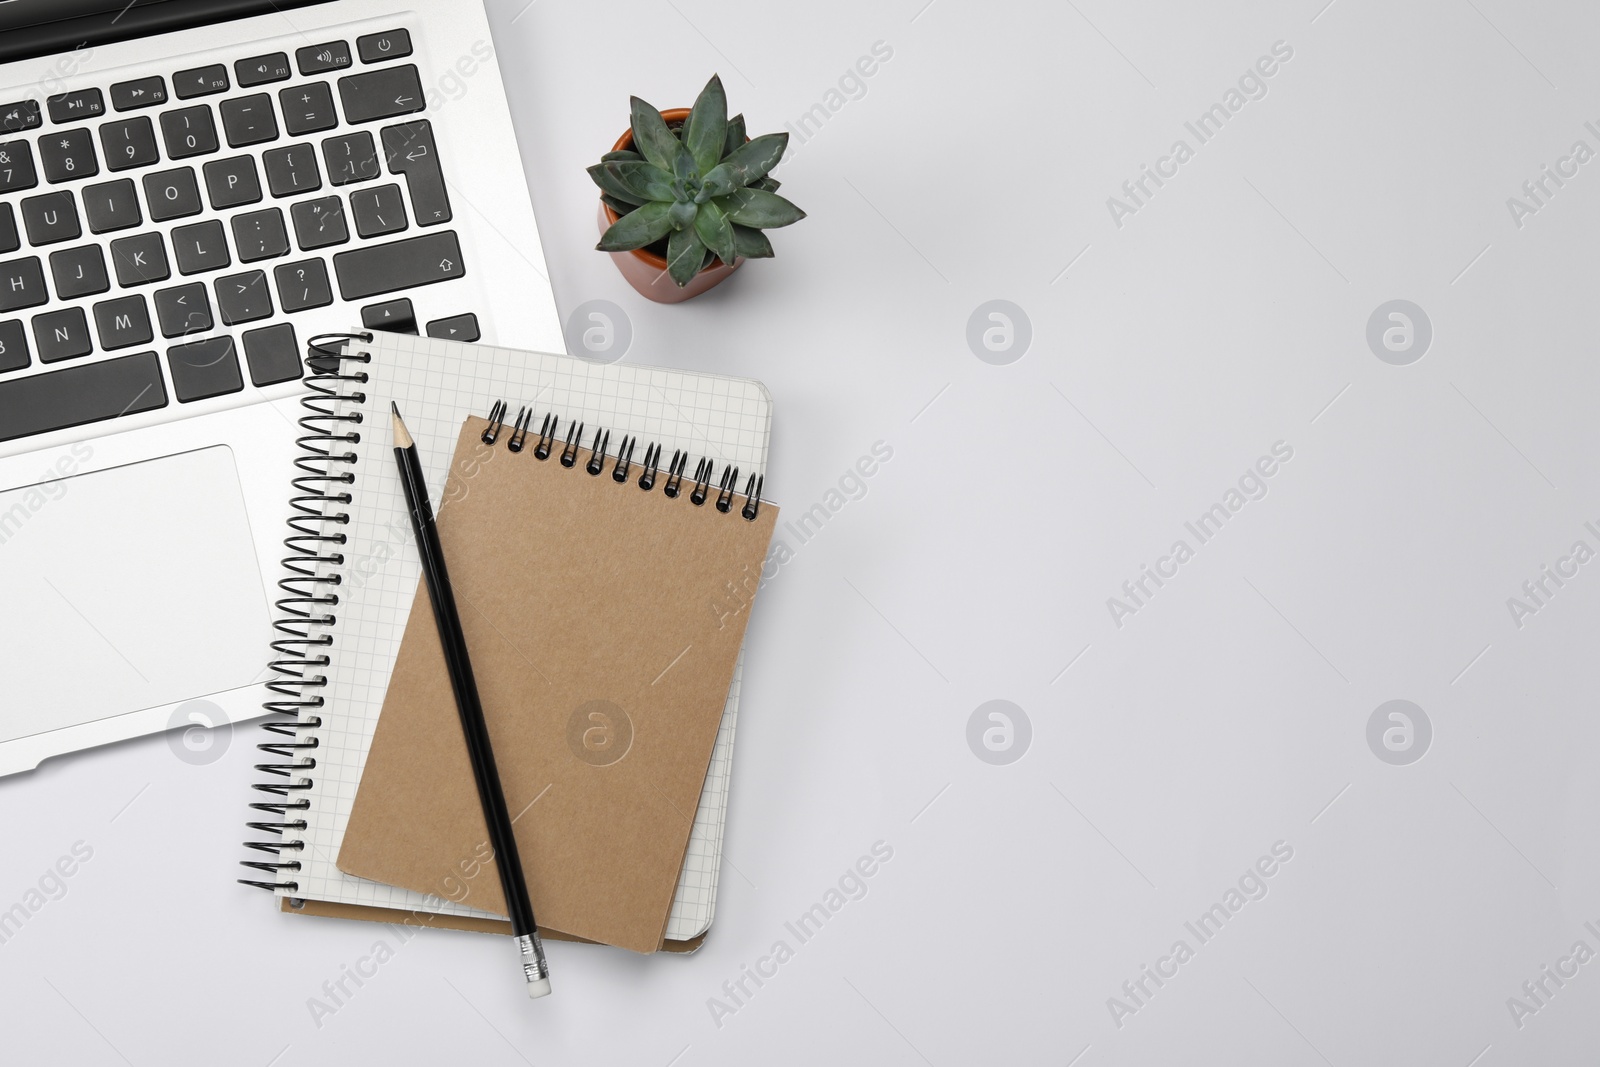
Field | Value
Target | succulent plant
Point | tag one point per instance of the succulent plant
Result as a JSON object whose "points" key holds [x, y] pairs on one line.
{"points": [[704, 188]]}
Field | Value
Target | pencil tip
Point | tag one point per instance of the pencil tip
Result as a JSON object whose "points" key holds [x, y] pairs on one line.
{"points": [[402, 436]]}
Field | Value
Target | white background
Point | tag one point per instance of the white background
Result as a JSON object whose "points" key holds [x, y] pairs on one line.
{"points": [[1228, 313]]}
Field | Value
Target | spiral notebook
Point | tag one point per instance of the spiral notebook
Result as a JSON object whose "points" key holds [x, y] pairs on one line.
{"points": [[336, 657]]}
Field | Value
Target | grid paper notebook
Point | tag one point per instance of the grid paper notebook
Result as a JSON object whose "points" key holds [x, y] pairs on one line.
{"points": [[437, 384]]}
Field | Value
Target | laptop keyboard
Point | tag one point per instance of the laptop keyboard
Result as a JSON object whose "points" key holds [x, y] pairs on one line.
{"points": [[285, 192]]}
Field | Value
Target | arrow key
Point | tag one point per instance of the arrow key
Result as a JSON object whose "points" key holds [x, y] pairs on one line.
{"points": [[380, 93], [455, 328], [395, 316]]}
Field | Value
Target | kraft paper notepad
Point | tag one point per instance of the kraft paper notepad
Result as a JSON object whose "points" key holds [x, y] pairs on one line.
{"points": [[604, 623]]}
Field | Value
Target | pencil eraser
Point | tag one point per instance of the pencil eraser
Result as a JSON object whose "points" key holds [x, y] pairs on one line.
{"points": [[538, 989]]}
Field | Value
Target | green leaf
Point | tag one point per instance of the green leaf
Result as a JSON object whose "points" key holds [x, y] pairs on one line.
{"points": [[716, 231], [637, 229], [769, 183], [621, 207], [735, 134], [758, 208], [640, 180], [682, 214], [746, 164], [751, 244], [707, 129], [614, 187], [685, 253], [651, 137], [620, 155]]}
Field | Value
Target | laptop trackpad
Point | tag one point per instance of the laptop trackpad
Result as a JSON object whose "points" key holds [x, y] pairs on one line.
{"points": [[127, 589]]}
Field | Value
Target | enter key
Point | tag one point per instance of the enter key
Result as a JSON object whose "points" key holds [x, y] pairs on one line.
{"points": [[410, 150]]}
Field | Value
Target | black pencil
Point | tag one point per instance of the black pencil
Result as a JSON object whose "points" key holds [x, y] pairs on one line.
{"points": [[487, 775]]}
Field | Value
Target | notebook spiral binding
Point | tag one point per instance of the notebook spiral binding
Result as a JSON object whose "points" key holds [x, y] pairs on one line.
{"points": [[304, 609], [623, 462]]}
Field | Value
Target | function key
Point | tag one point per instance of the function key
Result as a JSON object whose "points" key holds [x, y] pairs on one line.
{"points": [[80, 104], [391, 44], [23, 115], [318, 58], [200, 81], [142, 92], [261, 69]]}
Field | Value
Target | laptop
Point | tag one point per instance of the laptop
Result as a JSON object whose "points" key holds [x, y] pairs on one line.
{"points": [[190, 190]]}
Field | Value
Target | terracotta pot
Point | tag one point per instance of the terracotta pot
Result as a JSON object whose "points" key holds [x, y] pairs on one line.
{"points": [[646, 271]]}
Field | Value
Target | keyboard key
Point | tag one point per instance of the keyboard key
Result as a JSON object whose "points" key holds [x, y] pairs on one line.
{"points": [[318, 58], [50, 217], [189, 131], [59, 335], [243, 297], [22, 284], [303, 285], [455, 328], [351, 157], [292, 170], [231, 182], [172, 194], [200, 81], [140, 260], [249, 120], [203, 369], [381, 94], [16, 166], [261, 70], [129, 143], [409, 150], [307, 108], [141, 92], [68, 154], [77, 395], [386, 268], [273, 354], [183, 309], [77, 105], [394, 316], [111, 206], [390, 44], [319, 223], [79, 271], [378, 211], [122, 322], [260, 235], [10, 240], [13, 346], [200, 246], [22, 115]]}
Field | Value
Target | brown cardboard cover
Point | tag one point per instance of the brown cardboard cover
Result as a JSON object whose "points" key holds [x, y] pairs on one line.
{"points": [[572, 590]]}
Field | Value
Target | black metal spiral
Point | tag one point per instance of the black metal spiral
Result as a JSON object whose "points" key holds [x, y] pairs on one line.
{"points": [[622, 464], [321, 488]]}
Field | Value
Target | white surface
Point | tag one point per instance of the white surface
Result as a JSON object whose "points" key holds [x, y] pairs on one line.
{"points": [[503, 273], [1174, 752], [437, 385]]}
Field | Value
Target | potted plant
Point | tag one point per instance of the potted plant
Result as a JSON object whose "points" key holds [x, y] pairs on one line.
{"points": [[684, 196]]}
